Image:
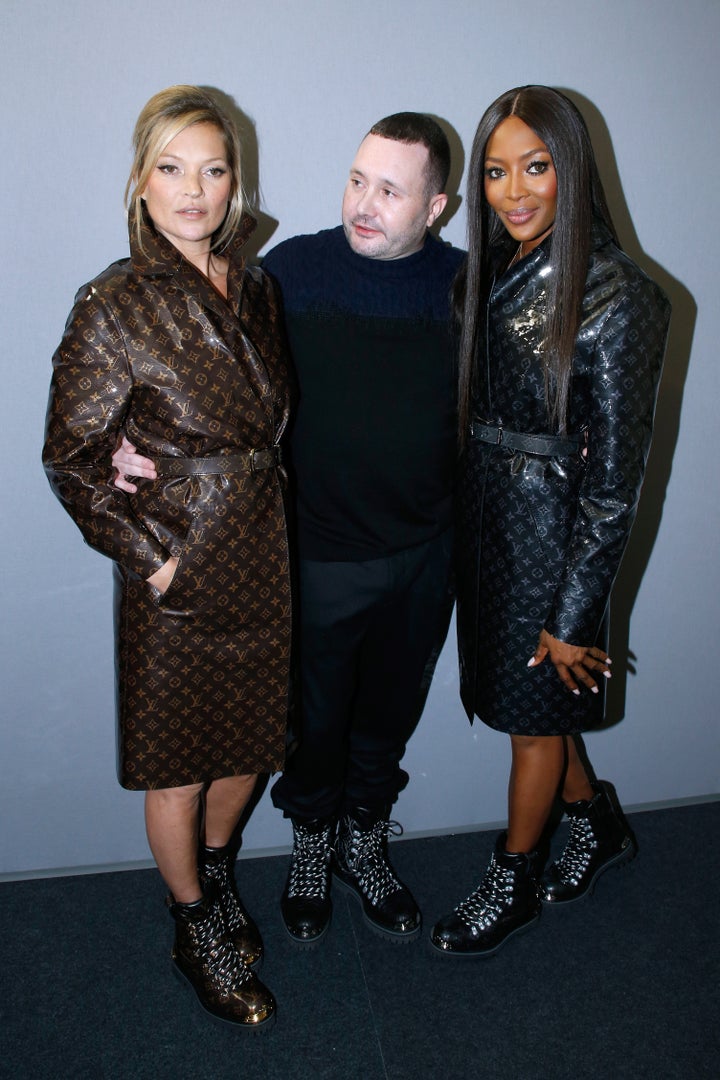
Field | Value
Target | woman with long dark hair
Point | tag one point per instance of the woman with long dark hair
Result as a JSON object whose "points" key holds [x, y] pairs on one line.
{"points": [[562, 341]]}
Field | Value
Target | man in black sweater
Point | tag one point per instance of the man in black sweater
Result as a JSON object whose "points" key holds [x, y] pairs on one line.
{"points": [[372, 451]]}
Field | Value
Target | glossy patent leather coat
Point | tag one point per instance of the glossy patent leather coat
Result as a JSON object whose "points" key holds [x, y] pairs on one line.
{"points": [[540, 539], [152, 350]]}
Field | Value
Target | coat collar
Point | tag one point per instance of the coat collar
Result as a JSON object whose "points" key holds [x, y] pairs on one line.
{"points": [[539, 259], [157, 257]]}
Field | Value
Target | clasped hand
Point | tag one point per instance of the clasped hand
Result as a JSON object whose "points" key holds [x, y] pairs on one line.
{"points": [[127, 462]]}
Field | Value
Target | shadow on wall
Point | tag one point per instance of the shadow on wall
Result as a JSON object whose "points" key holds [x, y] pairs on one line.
{"points": [[457, 167], [245, 126], [667, 416]]}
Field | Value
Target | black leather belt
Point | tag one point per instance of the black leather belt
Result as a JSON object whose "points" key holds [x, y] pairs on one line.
{"points": [[251, 461], [544, 445]]}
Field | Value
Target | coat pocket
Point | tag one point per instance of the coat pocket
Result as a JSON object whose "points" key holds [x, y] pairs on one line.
{"points": [[166, 509], [190, 592]]}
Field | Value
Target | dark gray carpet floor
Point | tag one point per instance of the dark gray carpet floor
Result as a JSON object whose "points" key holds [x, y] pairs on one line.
{"points": [[622, 986]]}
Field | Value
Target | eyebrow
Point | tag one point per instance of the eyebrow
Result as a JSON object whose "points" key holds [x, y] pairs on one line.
{"points": [[177, 157], [384, 182], [530, 153]]}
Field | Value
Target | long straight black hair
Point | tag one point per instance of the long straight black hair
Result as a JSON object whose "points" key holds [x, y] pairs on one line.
{"points": [[580, 197]]}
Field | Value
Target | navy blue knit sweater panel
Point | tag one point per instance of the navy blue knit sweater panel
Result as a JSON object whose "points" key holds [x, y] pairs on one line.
{"points": [[374, 437]]}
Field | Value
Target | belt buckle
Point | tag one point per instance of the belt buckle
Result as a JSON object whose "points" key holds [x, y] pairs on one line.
{"points": [[261, 459]]}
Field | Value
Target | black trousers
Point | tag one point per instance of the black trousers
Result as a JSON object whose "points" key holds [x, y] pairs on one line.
{"points": [[369, 635]]}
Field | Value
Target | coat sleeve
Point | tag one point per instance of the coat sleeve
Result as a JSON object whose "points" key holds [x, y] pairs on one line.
{"points": [[625, 373], [90, 393]]}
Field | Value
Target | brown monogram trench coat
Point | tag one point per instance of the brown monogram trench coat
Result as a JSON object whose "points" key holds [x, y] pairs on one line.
{"points": [[152, 350]]}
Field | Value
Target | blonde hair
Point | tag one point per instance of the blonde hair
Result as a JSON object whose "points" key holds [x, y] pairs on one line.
{"points": [[164, 116]]}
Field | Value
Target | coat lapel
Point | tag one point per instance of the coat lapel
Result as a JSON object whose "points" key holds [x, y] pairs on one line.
{"points": [[156, 257]]}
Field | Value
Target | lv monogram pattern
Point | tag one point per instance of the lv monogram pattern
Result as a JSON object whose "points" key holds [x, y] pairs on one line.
{"points": [[152, 350], [540, 540]]}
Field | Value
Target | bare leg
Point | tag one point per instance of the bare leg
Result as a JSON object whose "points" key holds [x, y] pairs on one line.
{"points": [[537, 767], [225, 801], [577, 785], [506, 900], [599, 835], [171, 820]]}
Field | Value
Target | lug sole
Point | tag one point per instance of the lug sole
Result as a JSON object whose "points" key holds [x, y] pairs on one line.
{"points": [[398, 937], [623, 858], [237, 1025], [481, 954], [307, 942]]}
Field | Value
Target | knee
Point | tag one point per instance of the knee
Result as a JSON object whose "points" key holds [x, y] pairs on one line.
{"points": [[527, 742], [243, 783], [186, 797], [536, 745]]}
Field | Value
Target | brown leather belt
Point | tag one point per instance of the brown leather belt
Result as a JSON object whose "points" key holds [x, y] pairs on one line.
{"points": [[251, 461], [543, 445]]}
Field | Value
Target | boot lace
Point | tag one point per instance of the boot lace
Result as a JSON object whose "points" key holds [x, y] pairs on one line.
{"points": [[219, 871], [364, 855], [483, 907], [310, 861], [220, 959], [575, 859]]}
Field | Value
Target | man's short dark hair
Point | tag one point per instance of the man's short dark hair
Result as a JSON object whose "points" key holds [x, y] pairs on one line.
{"points": [[412, 127]]}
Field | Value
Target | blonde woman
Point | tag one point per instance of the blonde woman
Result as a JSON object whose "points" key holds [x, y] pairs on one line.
{"points": [[181, 347]]}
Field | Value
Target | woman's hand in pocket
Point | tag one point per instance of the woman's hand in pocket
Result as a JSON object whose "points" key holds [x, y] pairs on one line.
{"points": [[162, 578]]}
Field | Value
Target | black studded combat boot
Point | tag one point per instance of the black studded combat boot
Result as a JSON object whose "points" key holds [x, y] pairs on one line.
{"points": [[505, 903], [217, 864], [600, 838], [204, 957], [306, 906], [362, 865]]}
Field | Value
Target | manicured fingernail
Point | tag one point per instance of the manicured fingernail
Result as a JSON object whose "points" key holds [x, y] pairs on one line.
{"points": [[607, 674], [594, 689], [576, 692], [531, 661], [608, 661]]}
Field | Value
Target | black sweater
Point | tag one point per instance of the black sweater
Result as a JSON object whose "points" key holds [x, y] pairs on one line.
{"points": [[373, 443]]}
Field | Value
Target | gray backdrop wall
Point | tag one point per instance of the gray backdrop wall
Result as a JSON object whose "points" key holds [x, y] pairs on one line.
{"points": [[311, 78]]}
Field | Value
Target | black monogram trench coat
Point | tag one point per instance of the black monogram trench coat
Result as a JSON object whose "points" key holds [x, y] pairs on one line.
{"points": [[152, 350], [540, 539]]}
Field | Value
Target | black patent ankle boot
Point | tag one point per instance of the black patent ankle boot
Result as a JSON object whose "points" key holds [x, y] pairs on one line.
{"points": [[205, 958], [363, 866], [217, 865], [504, 904], [599, 839], [305, 905]]}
